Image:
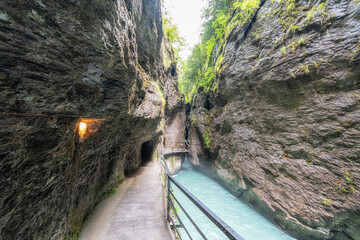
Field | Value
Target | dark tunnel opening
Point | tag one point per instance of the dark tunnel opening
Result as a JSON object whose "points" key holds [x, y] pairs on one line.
{"points": [[147, 150]]}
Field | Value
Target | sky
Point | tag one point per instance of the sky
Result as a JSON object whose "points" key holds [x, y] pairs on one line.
{"points": [[187, 16]]}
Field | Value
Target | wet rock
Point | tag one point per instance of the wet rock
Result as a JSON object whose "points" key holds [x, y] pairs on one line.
{"points": [[283, 132], [62, 61]]}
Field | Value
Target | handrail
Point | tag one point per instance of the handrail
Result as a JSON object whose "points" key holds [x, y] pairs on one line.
{"points": [[225, 228], [178, 217], [188, 216]]}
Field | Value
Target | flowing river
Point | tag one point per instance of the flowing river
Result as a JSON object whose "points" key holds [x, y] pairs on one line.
{"points": [[237, 214]]}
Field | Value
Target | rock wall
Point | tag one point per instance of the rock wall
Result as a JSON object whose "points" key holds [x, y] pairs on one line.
{"points": [[173, 141], [283, 130], [62, 61]]}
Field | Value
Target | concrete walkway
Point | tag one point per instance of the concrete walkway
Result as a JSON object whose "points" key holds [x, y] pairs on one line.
{"points": [[135, 212]]}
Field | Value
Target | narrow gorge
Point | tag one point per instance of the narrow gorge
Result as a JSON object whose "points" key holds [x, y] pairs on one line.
{"points": [[273, 113]]}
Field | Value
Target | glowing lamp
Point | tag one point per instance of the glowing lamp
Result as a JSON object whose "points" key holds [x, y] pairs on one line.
{"points": [[86, 127], [82, 129]]}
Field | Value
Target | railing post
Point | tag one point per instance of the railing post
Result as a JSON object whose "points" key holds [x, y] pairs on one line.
{"points": [[170, 206], [168, 197]]}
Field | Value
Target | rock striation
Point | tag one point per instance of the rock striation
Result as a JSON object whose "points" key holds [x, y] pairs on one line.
{"points": [[283, 129], [62, 61]]}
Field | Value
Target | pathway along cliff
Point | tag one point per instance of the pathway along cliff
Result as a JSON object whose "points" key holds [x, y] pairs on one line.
{"points": [[274, 113], [136, 211]]}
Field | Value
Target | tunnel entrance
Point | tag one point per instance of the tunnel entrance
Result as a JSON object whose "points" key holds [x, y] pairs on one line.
{"points": [[147, 149]]}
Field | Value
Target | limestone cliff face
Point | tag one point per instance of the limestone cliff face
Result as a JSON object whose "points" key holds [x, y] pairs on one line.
{"points": [[61, 61], [173, 141], [283, 130], [174, 125]]}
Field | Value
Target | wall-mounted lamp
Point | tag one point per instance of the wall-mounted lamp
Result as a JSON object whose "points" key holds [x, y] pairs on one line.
{"points": [[86, 127], [82, 129]]}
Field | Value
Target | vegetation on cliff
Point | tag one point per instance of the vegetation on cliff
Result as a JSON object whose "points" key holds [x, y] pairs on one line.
{"points": [[221, 18], [279, 123], [173, 41]]}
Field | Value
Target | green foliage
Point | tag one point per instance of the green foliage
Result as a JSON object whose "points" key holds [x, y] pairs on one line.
{"points": [[219, 25], [302, 41], [289, 14], [193, 119], [192, 71], [163, 100], [247, 9], [256, 35], [294, 28], [326, 202], [207, 138], [310, 14], [207, 134], [316, 65], [305, 69], [219, 64], [289, 7], [282, 22], [348, 176], [346, 186], [283, 50], [295, 44], [172, 34], [221, 17], [316, 11], [309, 160]]}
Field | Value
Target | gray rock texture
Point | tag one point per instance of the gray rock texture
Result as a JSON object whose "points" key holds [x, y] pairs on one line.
{"points": [[61, 61], [173, 145], [284, 126]]}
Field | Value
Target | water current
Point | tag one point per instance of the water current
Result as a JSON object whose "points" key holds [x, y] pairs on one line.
{"points": [[248, 223]]}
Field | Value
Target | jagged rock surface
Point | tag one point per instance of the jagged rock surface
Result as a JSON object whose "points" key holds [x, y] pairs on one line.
{"points": [[173, 141], [174, 125], [285, 123], [62, 60]]}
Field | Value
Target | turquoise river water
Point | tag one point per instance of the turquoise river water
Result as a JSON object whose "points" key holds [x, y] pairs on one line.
{"points": [[237, 214]]}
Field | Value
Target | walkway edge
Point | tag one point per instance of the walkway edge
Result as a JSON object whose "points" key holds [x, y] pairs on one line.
{"points": [[102, 213]]}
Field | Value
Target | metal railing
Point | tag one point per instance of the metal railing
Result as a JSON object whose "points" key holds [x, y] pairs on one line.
{"points": [[172, 213]]}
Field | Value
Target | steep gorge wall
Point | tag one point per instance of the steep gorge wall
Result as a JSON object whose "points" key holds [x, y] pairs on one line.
{"points": [[61, 61], [173, 140], [283, 129]]}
